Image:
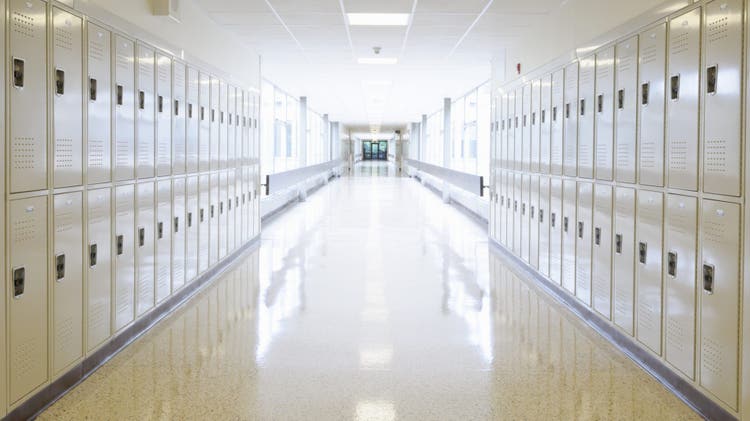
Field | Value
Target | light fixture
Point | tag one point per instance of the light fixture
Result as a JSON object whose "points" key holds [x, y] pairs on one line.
{"points": [[378, 19], [377, 60]]}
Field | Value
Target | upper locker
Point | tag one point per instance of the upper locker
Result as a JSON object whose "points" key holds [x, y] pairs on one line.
{"points": [[520, 129], [214, 125], [124, 103], [526, 143], [652, 62], [145, 113], [556, 124], [510, 139], [544, 121], [232, 121], [99, 133], [605, 85], [223, 111], [26, 111], [570, 120], [586, 95], [179, 106], [536, 97], [204, 132], [192, 120], [626, 79], [164, 111], [67, 103]]}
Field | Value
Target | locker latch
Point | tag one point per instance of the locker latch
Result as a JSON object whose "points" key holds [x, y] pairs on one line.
{"points": [[541, 216], [243, 198], [141, 236], [176, 107], [672, 264], [92, 89], [554, 113], [580, 229], [190, 219], [553, 219], [502, 200], [523, 209], [524, 120], [236, 201], [618, 243], [190, 110], [200, 216], [92, 255], [544, 116], [19, 281], [60, 266], [620, 99], [221, 117], [120, 245], [533, 118], [642, 248], [708, 278], [59, 82], [176, 224], [203, 113], [674, 87], [583, 106], [229, 205], [565, 223], [221, 208], [160, 230], [600, 103], [597, 236], [118, 89], [160, 103], [711, 75], [532, 212], [515, 206], [212, 211], [141, 100], [213, 115], [18, 72], [645, 93], [515, 122], [567, 110]]}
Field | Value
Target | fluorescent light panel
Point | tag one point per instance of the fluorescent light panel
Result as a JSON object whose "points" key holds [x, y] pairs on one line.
{"points": [[377, 60], [378, 19]]}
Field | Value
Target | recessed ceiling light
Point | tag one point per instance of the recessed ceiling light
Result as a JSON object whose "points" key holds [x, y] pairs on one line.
{"points": [[377, 60], [378, 19]]}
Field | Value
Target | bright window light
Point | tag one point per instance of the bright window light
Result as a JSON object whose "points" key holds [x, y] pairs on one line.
{"points": [[378, 19], [377, 60]]}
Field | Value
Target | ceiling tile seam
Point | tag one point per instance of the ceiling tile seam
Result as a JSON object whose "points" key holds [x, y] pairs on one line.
{"points": [[346, 27], [408, 29], [468, 30], [291, 34]]}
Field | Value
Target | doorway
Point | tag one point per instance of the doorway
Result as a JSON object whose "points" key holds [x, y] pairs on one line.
{"points": [[372, 150]]}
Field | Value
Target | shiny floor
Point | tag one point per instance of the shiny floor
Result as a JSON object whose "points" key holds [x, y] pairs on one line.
{"points": [[373, 300]]}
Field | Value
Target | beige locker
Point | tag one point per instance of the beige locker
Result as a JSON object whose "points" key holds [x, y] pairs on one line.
{"points": [[570, 121], [626, 80], [526, 130], [556, 123], [164, 228], [99, 265], [545, 121], [204, 132], [124, 108], [193, 127], [586, 95], [525, 218], [191, 226], [534, 223], [680, 245], [27, 288], [99, 105], [649, 269], [652, 64], [624, 259], [583, 242], [223, 120], [66, 285], [213, 219], [543, 218], [604, 118], [145, 88], [719, 300], [124, 252], [179, 120], [144, 258], [555, 230], [67, 103], [204, 205], [214, 123], [569, 234], [223, 209], [164, 111], [535, 123], [179, 232]]}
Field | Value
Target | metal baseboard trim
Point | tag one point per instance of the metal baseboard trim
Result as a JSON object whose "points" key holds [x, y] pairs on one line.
{"points": [[55, 390], [694, 398], [458, 205]]}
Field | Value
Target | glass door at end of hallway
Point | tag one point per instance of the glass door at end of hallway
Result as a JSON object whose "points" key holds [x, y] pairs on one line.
{"points": [[375, 150]]}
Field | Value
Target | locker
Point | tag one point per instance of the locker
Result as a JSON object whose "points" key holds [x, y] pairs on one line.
{"points": [[586, 95], [569, 234], [213, 218], [124, 252], [67, 103], [124, 103], [543, 218], [534, 222], [179, 237], [223, 110], [27, 309], [604, 117], [66, 285], [525, 216], [719, 299], [249, 133], [99, 265], [145, 250], [245, 202], [626, 79], [233, 204], [583, 242], [204, 204], [601, 288], [204, 135], [223, 214], [99, 104], [164, 228], [193, 125], [526, 130], [214, 124], [510, 142], [26, 108], [502, 209], [517, 217], [192, 223], [652, 62], [682, 107], [232, 121], [536, 97], [624, 259], [722, 134], [556, 123], [649, 269], [545, 124], [179, 122], [145, 83], [570, 120], [164, 111], [555, 230]]}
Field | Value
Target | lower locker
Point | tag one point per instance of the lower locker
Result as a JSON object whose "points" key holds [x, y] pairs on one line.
{"points": [[509, 193], [223, 214], [232, 208], [179, 233], [192, 223], [99, 264], [601, 263], [569, 236], [525, 198], [555, 230], [583, 242], [649, 269], [492, 221], [517, 225], [624, 259], [543, 218], [144, 257], [534, 222], [66, 285], [502, 227], [124, 250], [255, 217], [213, 220], [164, 230], [204, 204]]}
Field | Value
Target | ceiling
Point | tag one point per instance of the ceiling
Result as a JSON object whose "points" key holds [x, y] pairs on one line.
{"points": [[308, 49]]}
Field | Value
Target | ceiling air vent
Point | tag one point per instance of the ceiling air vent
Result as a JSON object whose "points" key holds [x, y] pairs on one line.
{"points": [[169, 8]]}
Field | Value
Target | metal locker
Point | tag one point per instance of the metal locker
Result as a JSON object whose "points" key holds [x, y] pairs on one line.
{"points": [[509, 217], [719, 299], [510, 142], [570, 120], [723, 111], [601, 262], [66, 285], [504, 127], [145, 85], [232, 121], [27, 307], [652, 65], [179, 122], [245, 200], [682, 106], [123, 98], [545, 129], [26, 108], [179, 237], [124, 252], [680, 245], [517, 213], [583, 242], [99, 104], [204, 115], [164, 111], [525, 211], [536, 97], [555, 230], [626, 79], [586, 106], [534, 222], [556, 123], [569, 234], [213, 219], [249, 132], [67, 103], [223, 210], [99, 265], [624, 258], [233, 204], [204, 204], [214, 123], [192, 120], [164, 229], [192, 222], [543, 218], [502, 187], [144, 257], [223, 119], [525, 157], [604, 117], [649, 269]]}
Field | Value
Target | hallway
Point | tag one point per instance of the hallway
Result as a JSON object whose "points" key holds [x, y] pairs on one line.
{"points": [[371, 300]]}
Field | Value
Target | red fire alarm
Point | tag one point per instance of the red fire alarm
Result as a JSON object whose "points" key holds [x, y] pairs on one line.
{"points": [[518, 68]]}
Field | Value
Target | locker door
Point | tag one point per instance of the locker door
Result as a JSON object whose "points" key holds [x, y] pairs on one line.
{"points": [[26, 109], [232, 208], [124, 103], [99, 105], [649, 269], [223, 214], [583, 244], [215, 125], [504, 200], [605, 85], [556, 123], [534, 222], [99, 264], [67, 283], [517, 218], [179, 120], [682, 107], [213, 218], [243, 181], [722, 134], [545, 124], [602, 251], [586, 94], [719, 302], [223, 123], [231, 126], [179, 227], [526, 131], [145, 112], [145, 250], [652, 62], [204, 135], [124, 250], [505, 128], [536, 98], [510, 143], [67, 113], [569, 233], [164, 111], [570, 120], [192, 222], [27, 283], [525, 218], [192, 120], [204, 204], [624, 259], [164, 228], [626, 79], [544, 233], [248, 135], [555, 230]]}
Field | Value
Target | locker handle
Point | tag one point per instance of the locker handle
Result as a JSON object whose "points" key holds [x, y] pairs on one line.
{"points": [[120, 245], [642, 252], [59, 82], [502, 200], [541, 216], [708, 278], [243, 198], [532, 212], [524, 120], [515, 206], [141, 100], [160, 230], [567, 110], [645, 88], [92, 89], [92, 255], [711, 75], [618, 243], [597, 236], [533, 118], [160, 103], [200, 215], [244, 121], [554, 113], [236, 201], [119, 94], [176, 107], [515, 122], [141, 236], [544, 116], [221, 117], [190, 110], [176, 224], [212, 211], [229, 205], [203, 113], [583, 106], [580, 229], [19, 281], [620, 99], [230, 119], [600, 103], [672, 264], [674, 87], [565, 223], [221, 208], [213, 115], [190, 219], [18, 72], [60, 267], [523, 209], [553, 219]]}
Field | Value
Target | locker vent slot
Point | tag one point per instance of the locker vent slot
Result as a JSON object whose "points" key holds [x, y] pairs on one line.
{"points": [[716, 156], [96, 49], [672, 264], [618, 243], [678, 151], [96, 153], [674, 87], [19, 281], [120, 245], [583, 106], [160, 104], [92, 89], [60, 267], [176, 224], [24, 152], [620, 99], [645, 93], [160, 230], [119, 94], [708, 278], [597, 236], [23, 24], [599, 103], [63, 38], [18, 72], [711, 75], [141, 100], [680, 42], [92, 255], [712, 356], [642, 252], [63, 153], [718, 28], [141, 236], [59, 82], [580, 230]]}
